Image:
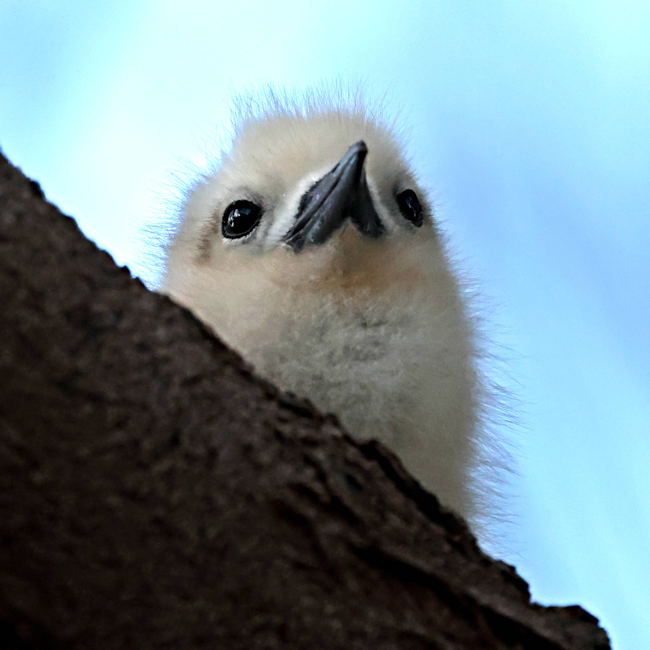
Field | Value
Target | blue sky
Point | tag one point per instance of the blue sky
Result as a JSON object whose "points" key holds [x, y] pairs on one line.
{"points": [[529, 121]]}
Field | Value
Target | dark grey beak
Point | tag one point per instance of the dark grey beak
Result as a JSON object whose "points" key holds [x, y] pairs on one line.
{"points": [[338, 195]]}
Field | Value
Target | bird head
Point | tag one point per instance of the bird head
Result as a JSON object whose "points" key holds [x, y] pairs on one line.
{"points": [[313, 204]]}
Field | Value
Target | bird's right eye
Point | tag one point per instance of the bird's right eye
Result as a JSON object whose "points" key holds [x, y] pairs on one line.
{"points": [[410, 207], [240, 219]]}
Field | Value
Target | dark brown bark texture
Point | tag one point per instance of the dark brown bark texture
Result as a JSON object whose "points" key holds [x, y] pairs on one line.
{"points": [[155, 494]]}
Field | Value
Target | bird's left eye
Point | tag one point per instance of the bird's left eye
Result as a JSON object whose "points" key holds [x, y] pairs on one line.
{"points": [[240, 219], [410, 207]]}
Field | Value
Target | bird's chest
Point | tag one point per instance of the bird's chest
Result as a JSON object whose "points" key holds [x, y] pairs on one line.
{"points": [[358, 365]]}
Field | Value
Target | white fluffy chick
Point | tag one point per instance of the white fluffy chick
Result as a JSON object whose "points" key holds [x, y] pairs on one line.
{"points": [[313, 250]]}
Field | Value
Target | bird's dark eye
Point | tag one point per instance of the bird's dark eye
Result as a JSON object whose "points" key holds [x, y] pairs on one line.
{"points": [[239, 219], [410, 207]]}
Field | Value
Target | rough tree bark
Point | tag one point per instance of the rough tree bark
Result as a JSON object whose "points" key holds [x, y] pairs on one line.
{"points": [[155, 494]]}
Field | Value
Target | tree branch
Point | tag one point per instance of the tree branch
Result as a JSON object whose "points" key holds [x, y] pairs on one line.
{"points": [[155, 494]]}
